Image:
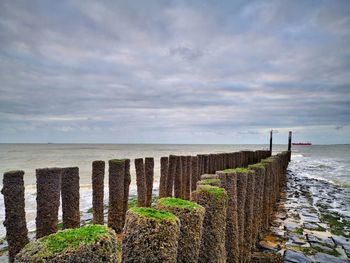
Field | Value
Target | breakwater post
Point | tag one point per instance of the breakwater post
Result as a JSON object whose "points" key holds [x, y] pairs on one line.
{"points": [[191, 216], [178, 178], [149, 175], [127, 181], [214, 200], [116, 194], [48, 185], [159, 231], [164, 162], [98, 173], [15, 216], [194, 173], [140, 182], [171, 175], [271, 142], [70, 197]]}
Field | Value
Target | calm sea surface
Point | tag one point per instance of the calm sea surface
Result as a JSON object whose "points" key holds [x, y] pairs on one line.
{"points": [[331, 163]]}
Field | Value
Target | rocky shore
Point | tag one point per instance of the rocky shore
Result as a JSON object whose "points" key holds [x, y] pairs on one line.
{"points": [[312, 224]]}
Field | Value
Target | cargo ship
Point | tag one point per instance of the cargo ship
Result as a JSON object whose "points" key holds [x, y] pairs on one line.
{"points": [[302, 143]]}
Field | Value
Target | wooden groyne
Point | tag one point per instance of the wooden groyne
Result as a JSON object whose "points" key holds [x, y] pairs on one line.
{"points": [[235, 193]]}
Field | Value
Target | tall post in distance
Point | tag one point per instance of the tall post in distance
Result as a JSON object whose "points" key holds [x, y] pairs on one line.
{"points": [[271, 142], [290, 141]]}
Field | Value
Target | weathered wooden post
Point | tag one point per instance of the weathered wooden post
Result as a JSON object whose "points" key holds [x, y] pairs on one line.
{"points": [[270, 142], [48, 184], [194, 173], [98, 173], [15, 216], [183, 177], [159, 231], [249, 216], [140, 182], [149, 174], [187, 193], [214, 200], [116, 194], [70, 197], [289, 145], [171, 175], [127, 181], [229, 183], [164, 161], [178, 178], [191, 216]]}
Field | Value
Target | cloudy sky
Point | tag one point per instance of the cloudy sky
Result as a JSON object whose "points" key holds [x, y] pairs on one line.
{"points": [[174, 71]]}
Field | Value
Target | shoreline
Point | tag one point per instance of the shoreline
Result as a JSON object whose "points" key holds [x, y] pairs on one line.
{"points": [[311, 224]]}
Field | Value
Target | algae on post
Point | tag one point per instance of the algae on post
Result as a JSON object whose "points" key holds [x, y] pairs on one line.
{"points": [[153, 214], [179, 203]]}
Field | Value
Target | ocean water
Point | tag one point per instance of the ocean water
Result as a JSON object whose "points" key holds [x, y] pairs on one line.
{"points": [[331, 163]]}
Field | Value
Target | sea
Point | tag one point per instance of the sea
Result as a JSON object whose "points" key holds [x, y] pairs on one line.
{"points": [[324, 162]]}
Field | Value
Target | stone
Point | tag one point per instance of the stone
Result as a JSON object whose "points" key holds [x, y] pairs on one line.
{"points": [[295, 257], [325, 258]]}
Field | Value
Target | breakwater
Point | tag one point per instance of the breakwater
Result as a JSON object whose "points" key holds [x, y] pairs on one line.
{"points": [[180, 177]]}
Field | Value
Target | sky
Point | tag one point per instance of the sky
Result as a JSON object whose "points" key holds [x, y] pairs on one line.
{"points": [[174, 71]]}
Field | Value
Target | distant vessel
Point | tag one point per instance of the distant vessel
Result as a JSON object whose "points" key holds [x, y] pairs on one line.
{"points": [[301, 143]]}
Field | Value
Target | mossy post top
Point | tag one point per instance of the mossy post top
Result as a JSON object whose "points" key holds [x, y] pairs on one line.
{"points": [[117, 161], [153, 214], [218, 192], [257, 166], [209, 181], [173, 202], [239, 170], [67, 240]]}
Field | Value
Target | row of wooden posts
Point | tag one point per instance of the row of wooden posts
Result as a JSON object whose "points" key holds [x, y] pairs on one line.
{"points": [[226, 230], [178, 177]]}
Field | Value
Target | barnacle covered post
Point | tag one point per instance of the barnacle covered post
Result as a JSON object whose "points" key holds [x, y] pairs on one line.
{"points": [[48, 184], [191, 216], [127, 181], [140, 182], [91, 243], [171, 175], [159, 232], [228, 181], [164, 161], [194, 173], [70, 197], [98, 173], [214, 200], [116, 194], [149, 175], [15, 216]]}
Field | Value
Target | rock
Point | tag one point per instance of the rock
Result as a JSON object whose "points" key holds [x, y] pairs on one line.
{"points": [[341, 241], [269, 245], [297, 240], [325, 258], [295, 257]]}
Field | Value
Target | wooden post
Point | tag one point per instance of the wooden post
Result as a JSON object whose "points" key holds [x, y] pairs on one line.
{"points": [[70, 197], [178, 178], [171, 175], [149, 174], [98, 173], [116, 194], [15, 216], [164, 162], [127, 181], [140, 182], [290, 141], [48, 184], [271, 142]]}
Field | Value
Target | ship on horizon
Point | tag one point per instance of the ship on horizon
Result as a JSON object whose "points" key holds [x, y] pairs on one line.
{"points": [[302, 143]]}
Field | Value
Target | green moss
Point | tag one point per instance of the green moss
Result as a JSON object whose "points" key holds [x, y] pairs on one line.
{"points": [[154, 214], [306, 250], [299, 231], [179, 203], [237, 170], [217, 191], [117, 161], [337, 224], [209, 181], [72, 238], [59, 226], [257, 166]]}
